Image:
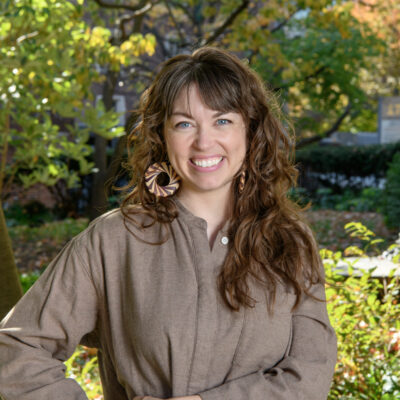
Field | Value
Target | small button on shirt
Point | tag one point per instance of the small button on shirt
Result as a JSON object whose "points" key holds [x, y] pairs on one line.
{"points": [[224, 240]]}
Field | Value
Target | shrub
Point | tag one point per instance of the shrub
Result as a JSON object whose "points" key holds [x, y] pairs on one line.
{"points": [[365, 314], [368, 330], [368, 199], [58, 231], [348, 160], [28, 279], [32, 214]]}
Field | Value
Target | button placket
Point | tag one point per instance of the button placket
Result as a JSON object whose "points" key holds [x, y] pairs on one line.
{"points": [[206, 311]]}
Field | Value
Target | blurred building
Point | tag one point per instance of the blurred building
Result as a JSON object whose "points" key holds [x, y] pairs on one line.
{"points": [[351, 139]]}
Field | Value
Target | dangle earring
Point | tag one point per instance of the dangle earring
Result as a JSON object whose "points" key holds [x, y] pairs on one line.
{"points": [[151, 175], [242, 181]]}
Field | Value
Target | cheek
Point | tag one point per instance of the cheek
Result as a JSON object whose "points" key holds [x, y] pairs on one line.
{"points": [[242, 144], [170, 146], [174, 150]]}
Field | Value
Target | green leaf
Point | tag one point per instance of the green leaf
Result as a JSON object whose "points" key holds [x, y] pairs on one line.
{"points": [[53, 170]]}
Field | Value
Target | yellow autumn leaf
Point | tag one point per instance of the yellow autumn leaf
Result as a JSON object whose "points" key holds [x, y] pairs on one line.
{"points": [[99, 36], [126, 46], [52, 170], [150, 47]]}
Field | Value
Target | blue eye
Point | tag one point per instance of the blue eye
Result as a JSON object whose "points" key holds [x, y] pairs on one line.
{"points": [[223, 122], [183, 125]]}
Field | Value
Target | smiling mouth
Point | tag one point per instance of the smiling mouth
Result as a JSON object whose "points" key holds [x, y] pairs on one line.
{"points": [[207, 163]]}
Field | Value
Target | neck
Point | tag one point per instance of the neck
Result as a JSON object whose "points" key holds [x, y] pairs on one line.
{"points": [[214, 207]]}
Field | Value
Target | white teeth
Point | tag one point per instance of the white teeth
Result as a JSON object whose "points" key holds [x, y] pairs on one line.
{"points": [[207, 163]]}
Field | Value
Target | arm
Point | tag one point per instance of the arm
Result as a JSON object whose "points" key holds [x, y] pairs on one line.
{"points": [[305, 372], [43, 329]]}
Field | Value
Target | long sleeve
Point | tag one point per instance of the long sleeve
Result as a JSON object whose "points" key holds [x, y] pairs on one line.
{"points": [[44, 328], [305, 372]]}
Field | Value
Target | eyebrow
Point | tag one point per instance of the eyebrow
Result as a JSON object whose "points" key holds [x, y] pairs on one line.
{"points": [[186, 115]]}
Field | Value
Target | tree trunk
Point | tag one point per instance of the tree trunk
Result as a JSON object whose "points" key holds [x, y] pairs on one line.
{"points": [[98, 197], [99, 193], [103, 179], [10, 287]]}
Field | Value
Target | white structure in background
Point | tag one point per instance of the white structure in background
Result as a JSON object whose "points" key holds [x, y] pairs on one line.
{"points": [[388, 128], [389, 119], [120, 106]]}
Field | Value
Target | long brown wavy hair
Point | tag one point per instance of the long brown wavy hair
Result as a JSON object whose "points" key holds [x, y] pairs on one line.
{"points": [[269, 241]]}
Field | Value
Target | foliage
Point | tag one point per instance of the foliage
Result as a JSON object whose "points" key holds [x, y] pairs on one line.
{"points": [[368, 199], [312, 54], [383, 18], [48, 61], [27, 280], [59, 231], [338, 85], [32, 214], [368, 330], [392, 193], [82, 366], [365, 314], [367, 237]]}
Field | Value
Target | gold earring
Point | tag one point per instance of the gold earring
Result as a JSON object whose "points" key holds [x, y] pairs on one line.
{"points": [[151, 175], [242, 181]]}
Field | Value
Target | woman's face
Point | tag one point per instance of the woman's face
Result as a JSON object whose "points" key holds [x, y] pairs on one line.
{"points": [[205, 147]]}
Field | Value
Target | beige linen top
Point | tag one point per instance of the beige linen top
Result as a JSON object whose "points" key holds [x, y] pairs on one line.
{"points": [[160, 324]]}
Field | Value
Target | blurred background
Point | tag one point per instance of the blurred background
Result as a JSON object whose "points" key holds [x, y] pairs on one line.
{"points": [[72, 72]]}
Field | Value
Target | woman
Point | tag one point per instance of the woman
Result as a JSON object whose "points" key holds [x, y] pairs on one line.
{"points": [[203, 286]]}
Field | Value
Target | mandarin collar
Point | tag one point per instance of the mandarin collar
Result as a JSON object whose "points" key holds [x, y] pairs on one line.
{"points": [[192, 219]]}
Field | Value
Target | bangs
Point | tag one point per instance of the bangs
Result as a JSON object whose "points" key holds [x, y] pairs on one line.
{"points": [[219, 89]]}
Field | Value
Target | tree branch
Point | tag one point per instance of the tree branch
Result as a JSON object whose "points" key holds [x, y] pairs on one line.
{"points": [[174, 21], [185, 9], [135, 14], [284, 22], [327, 133], [366, 4], [104, 4], [227, 22]]}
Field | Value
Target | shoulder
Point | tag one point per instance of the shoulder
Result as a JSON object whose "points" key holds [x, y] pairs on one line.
{"points": [[114, 228]]}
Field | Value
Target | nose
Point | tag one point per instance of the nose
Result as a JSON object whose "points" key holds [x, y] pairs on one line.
{"points": [[204, 138]]}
